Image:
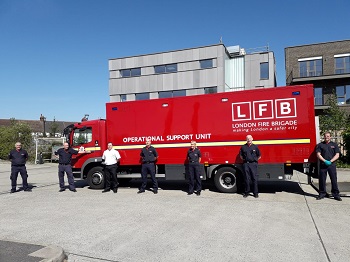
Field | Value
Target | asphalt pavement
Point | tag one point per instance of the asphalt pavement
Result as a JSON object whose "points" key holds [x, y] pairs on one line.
{"points": [[286, 223]]}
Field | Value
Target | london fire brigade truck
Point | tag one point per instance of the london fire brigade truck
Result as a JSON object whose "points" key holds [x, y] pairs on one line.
{"points": [[281, 121]]}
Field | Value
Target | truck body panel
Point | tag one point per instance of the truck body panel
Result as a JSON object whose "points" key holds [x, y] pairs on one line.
{"points": [[281, 121]]}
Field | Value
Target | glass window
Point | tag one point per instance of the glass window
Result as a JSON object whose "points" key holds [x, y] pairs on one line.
{"points": [[310, 68], [136, 72], [165, 69], [264, 70], [130, 72], [125, 73], [165, 94], [82, 136], [122, 98], [342, 65], [159, 69], [142, 96], [208, 63], [318, 94], [179, 93], [171, 68], [210, 90], [343, 94]]}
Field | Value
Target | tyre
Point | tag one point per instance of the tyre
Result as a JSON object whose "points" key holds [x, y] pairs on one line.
{"points": [[96, 178], [226, 180]]}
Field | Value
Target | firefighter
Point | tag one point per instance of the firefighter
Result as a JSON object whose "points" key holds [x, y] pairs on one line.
{"points": [[194, 158], [18, 158], [149, 157], [328, 152], [250, 154], [111, 158], [64, 165]]}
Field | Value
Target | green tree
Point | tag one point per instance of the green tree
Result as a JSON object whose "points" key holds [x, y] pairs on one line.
{"points": [[16, 132], [334, 119], [53, 128]]}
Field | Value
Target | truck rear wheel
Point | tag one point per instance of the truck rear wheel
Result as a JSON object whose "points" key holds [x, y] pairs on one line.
{"points": [[225, 180], [96, 178]]}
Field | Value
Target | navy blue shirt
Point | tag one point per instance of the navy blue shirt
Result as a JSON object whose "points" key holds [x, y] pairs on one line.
{"points": [[193, 155], [250, 153], [65, 155], [328, 151], [18, 158], [148, 154]]}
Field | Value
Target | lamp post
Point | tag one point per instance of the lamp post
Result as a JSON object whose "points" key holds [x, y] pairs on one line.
{"points": [[43, 119]]}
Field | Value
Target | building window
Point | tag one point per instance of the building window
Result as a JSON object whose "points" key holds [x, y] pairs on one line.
{"points": [[207, 63], [264, 70], [130, 72], [122, 98], [210, 90], [142, 96], [161, 69], [310, 67], [343, 94], [318, 94], [342, 64], [175, 93]]}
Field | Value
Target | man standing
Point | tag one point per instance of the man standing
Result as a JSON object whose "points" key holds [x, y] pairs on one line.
{"points": [[18, 158], [111, 158], [328, 152], [149, 157], [250, 154], [194, 158], [64, 165]]}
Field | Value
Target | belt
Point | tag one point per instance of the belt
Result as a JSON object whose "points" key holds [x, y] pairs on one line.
{"points": [[64, 164], [250, 162], [18, 165], [148, 162], [193, 161]]}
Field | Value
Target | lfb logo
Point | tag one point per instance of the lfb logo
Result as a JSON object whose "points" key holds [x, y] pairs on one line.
{"points": [[264, 109]]}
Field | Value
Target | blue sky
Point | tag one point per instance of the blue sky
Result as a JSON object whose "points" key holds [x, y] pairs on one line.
{"points": [[54, 53]]}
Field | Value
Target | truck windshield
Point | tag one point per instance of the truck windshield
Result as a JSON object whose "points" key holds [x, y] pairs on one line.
{"points": [[82, 136]]}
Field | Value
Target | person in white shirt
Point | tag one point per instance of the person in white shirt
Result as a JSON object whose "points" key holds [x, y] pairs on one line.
{"points": [[111, 159]]}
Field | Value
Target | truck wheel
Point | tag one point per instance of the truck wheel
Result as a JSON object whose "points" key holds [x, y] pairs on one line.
{"points": [[225, 180], [96, 178]]}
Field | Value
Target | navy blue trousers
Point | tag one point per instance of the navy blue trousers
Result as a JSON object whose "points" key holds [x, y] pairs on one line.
{"points": [[14, 174], [148, 168], [251, 177], [332, 172], [194, 176], [68, 170]]}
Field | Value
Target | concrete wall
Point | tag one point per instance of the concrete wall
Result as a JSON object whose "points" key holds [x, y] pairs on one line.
{"points": [[252, 70], [189, 75]]}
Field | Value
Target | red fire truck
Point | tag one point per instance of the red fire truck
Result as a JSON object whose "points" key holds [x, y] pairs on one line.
{"points": [[281, 121]]}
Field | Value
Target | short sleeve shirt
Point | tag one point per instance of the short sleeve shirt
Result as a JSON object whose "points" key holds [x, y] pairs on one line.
{"points": [[111, 157], [149, 154], [65, 155], [328, 151], [193, 155], [250, 153]]}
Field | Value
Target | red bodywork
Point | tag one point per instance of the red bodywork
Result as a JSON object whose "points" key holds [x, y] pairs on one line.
{"points": [[281, 121]]}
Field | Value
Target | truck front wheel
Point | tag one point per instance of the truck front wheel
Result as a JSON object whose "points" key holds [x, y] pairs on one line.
{"points": [[225, 180], [96, 178]]}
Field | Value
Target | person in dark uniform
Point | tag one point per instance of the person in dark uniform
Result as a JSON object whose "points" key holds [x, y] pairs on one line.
{"points": [[149, 157], [250, 154], [18, 158], [194, 158], [328, 152], [64, 165]]}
